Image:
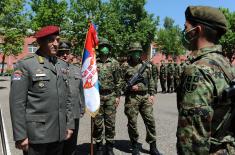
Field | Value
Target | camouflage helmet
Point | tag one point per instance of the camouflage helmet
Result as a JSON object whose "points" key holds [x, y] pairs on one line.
{"points": [[104, 42], [135, 46]]}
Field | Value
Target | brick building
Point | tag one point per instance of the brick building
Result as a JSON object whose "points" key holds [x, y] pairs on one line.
{"points": [[29, 47]]}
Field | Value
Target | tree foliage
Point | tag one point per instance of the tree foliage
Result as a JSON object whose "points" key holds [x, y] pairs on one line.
{"points": [[12, 21], [47, 12], [169, 38], [228, 40], [120, 21]]}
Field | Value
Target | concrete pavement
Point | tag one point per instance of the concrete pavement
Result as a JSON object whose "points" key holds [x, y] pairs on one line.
{"points": [[165, 113]]}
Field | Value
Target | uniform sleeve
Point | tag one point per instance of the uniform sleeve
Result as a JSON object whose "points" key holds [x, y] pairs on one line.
{"points": [[69, 108], [82, 97], [195, 114], [117, 78], [151, 88], [18, 101]]}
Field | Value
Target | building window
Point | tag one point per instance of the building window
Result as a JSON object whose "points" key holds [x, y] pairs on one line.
{"points": [[32, 48], [154, 51]]}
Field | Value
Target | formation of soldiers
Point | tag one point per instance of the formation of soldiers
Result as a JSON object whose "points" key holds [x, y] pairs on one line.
{"points": [[169, 75], [47, 100]]}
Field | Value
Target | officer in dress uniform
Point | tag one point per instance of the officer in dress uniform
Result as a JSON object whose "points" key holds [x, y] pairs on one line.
{"points": [[77, 95], [41, 111]]}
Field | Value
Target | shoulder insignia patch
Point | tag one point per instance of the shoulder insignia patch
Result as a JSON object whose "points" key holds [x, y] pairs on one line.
{"points": [[190, 83], [17, 75]]}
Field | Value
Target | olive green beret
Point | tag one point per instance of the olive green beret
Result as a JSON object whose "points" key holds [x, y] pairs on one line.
{"points": [[206, 15]]}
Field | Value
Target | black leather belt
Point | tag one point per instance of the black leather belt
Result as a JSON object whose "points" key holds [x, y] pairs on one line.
{"points": [[106, 91]]}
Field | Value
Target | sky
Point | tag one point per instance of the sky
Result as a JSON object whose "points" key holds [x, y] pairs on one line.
{"points": [[176, 8]]}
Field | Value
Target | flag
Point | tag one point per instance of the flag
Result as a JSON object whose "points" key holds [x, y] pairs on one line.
{"points": [[89, 72]]}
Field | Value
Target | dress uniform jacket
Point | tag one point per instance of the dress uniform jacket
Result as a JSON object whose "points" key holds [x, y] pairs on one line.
{"points": [[39, 105], [76, 87]]}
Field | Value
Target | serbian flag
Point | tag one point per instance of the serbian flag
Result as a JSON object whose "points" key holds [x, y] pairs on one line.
{"points": [[89, 72]]}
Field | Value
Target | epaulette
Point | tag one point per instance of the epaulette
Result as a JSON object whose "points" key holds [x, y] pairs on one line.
{"points": [[40, 59], [28, 57]]}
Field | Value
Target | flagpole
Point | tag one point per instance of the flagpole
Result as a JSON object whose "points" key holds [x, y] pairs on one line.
{"points": [[92, 146], [92, 119]]}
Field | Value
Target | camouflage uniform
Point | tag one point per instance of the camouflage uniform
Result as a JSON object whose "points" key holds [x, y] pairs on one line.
{"points": [[123, 67], [163, 75], [108, 70], [177, 74], [202, 111], [155, 74], [108, 79], [138, 102], [182, 67], [170, 77]]}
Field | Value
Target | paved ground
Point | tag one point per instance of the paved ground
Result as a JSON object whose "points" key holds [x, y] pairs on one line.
{"points": [[164, 110]]}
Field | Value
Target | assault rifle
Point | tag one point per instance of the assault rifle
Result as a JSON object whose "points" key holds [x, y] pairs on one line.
{"points": [[138, 76]]}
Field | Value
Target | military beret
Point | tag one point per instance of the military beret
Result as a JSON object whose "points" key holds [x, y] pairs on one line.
{"points": [[208, 16], [46, 31]]}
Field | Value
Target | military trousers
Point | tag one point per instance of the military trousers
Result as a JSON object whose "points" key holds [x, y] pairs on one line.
{"points": [[70, 145], [176, 82], [155, 84], [170, 84], [135, 104], [105, 119], [55, 148], [163, 84]]}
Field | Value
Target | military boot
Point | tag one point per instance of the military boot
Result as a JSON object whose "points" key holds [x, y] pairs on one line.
{"points": [[109, 148], [135, 148], [153, 149], [99, 148]]}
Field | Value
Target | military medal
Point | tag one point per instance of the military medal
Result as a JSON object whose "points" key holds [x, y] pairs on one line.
{"points": [[41, 84]]}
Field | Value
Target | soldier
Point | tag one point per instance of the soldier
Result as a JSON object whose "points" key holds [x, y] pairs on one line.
{"points": [[108, 69], [203, 121], [123, 66], [177, 73], [182, 66], [139, 99], [77, 95], [163, 75], [155, 75], [39, 98], [170, 76]]}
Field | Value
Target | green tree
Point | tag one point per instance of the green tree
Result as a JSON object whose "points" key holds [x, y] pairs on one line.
{"points": [[169, 38], [12, 21], [168, 23], [79, 14], [228, 40], [48, 12], [135, 23], [120, 21]]}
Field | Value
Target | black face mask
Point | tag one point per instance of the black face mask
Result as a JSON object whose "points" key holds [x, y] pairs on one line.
{"points": [[189, 39]]}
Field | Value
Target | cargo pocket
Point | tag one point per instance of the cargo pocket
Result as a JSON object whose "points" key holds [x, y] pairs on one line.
{"points": [[36, 127], [40, 84]]}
